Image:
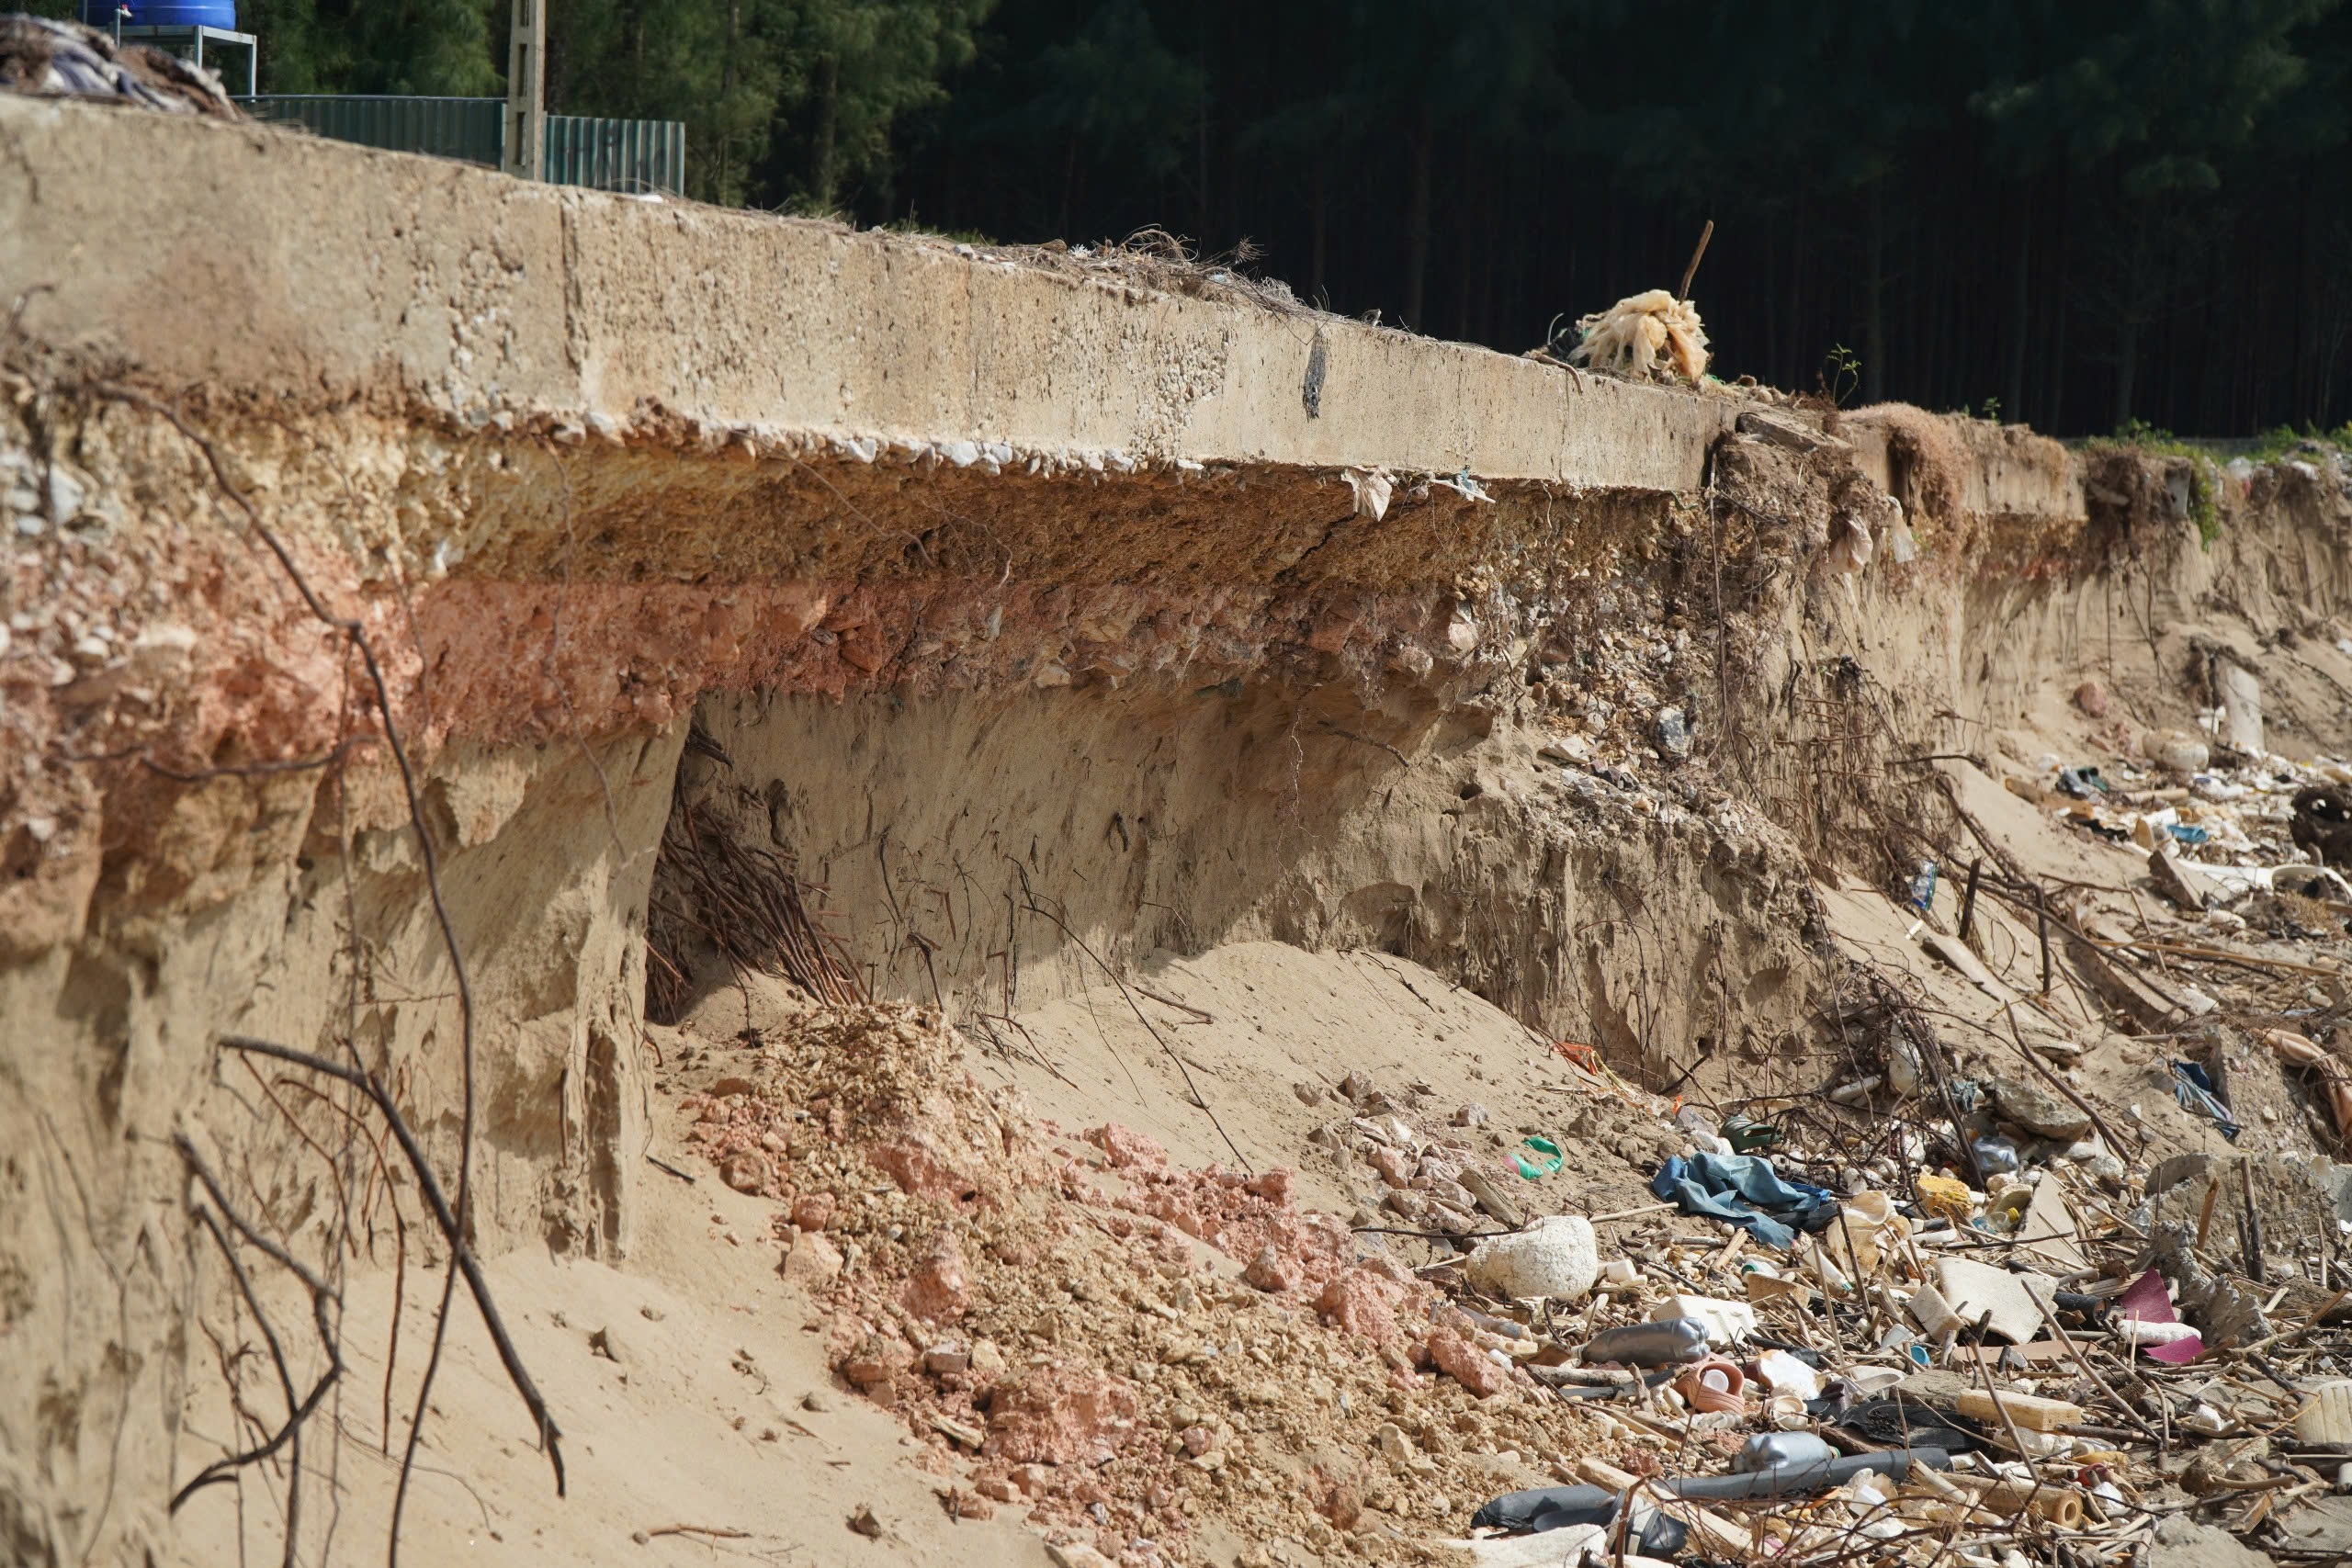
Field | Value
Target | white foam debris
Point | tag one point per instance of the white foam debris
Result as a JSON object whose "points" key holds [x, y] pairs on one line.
{"points": [[1556, 1256]]}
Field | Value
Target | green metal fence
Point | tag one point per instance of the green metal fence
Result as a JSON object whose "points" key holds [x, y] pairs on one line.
{"points": [[471, 129], [634, 155], [615, 154]]}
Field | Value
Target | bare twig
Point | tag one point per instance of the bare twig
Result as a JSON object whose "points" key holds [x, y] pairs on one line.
{"points": [[1035, 908], [463, 1260], [1692, 271], [299, 1409]]}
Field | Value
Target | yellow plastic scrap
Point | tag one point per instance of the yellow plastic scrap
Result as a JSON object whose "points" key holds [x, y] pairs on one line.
{"points": [[1945, 1198]]}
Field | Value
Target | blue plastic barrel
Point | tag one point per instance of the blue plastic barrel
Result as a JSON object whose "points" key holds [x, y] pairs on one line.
{"points": [[221, 14]]}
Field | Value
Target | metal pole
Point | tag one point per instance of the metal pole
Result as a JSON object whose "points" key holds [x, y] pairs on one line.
{"points": [[526, 87]]}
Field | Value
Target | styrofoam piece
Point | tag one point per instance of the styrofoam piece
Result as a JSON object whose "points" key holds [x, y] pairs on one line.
{"points": [[1933, 1313], [1728, 1322], [1971, 1289], [1556, 1256]]}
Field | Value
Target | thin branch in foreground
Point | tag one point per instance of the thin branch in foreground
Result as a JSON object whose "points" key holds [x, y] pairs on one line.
{"points": [[463, 1260]]}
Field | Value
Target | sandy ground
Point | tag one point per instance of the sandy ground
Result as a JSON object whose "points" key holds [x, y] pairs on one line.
{"points": [[700, 1423], [1253, 1021]]}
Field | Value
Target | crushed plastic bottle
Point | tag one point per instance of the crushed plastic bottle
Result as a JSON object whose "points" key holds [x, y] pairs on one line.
{"points": [[1701, 1129], [1923, 886], [1779, 1450], [1649, 1344], [1996, 1155]]}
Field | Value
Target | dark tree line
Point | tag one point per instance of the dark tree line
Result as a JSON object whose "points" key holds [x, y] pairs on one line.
{"points": [[2080, 213]]}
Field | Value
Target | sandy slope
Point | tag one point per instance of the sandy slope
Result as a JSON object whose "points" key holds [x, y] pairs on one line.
{"points": [[718, 1414]]}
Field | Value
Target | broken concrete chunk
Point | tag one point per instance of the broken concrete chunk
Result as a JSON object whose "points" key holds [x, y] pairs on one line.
{"points": [[2241, 694], [2039, 1109], [1674, 734], [1971, 1289], [1492, 1198], [1780, 430], [2177, 882], [2182, 1542]]}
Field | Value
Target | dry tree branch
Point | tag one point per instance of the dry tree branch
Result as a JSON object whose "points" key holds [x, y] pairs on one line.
{"points": [[747, 902], [299, 1408], [462, 1259]]}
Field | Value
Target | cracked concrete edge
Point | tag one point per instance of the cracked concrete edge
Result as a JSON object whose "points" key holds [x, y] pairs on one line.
{"points": [[262, 260]]}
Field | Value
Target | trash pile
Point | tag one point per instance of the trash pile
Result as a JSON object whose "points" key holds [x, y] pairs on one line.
{"points": [[2056, 1365], [54, 59], [2268, 825]]}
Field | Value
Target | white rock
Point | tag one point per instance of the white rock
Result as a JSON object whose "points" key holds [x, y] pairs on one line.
{"points": [[1556, 1256]]}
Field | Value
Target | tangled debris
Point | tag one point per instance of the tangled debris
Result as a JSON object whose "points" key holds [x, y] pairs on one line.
{"points": [[1644, 337], [58, 59]]}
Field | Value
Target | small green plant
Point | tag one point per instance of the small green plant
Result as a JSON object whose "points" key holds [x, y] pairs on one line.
{"points": [[2286, 441], [1841, 372], [1991, 410], [2139, 432], [2204, 507], [2204, 489]]}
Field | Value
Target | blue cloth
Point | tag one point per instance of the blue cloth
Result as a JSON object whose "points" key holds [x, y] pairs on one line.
{"points": [[2194, 1089], [1747, 1191]]}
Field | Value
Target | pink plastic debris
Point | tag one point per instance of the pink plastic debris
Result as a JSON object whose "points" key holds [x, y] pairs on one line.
{"points": [[2150, 1301]]}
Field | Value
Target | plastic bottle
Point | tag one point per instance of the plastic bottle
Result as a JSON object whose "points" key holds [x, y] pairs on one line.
{"points": [[1996, 1155], [1649, 1344], [1652, 1532], [1923, 886]]}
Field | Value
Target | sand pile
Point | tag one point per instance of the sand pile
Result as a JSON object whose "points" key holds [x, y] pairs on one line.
{"points": [[1142, 1356]]}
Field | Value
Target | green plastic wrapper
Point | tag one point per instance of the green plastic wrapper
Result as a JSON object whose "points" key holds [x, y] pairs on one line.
{"points": [[1549, 1159]]}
